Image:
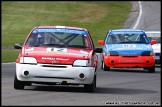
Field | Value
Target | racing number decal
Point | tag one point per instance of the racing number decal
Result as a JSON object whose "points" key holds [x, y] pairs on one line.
{"points": [[60, 50], [56, 49], [129, 45]]}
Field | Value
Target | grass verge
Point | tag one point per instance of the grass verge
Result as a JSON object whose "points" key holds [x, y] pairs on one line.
{"points": [[9, 56]]}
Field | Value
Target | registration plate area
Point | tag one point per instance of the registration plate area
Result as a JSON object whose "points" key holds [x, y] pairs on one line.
{"points": [[130, 61]]}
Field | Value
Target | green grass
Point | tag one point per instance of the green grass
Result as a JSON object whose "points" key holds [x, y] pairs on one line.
{"points": [[19, 17], [9, 56]]}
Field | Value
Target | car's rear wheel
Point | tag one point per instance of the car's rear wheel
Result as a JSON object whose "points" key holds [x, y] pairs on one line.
{"points": [[18, 84], [90, 87]]}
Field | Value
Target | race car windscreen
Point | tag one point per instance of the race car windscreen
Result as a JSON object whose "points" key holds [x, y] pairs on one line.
{"points": [[127, 37], [58, 37]]}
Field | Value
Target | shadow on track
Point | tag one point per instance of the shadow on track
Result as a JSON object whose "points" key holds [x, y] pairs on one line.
{"points": [[125, 91], [55, 88], [99, 90]]}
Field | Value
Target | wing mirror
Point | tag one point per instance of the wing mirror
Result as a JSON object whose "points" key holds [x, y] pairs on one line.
{"points": [[98, 50], [101, 42], [18, 46], [153, 42]]}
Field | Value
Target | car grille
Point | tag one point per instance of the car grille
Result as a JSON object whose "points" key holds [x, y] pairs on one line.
{"points": [[55, 66]]}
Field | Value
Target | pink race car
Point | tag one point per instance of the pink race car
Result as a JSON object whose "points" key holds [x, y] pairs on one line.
{"points": [[57, 55]]}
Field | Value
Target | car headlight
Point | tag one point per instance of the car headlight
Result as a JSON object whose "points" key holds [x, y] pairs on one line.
{"points": [[28, 60], [82, 63], [147, 53]]}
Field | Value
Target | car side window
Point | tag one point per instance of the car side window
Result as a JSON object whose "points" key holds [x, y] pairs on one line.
{"points": [[91, 44], [32, 40]]}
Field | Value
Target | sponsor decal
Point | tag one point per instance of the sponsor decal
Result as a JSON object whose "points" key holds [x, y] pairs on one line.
{"points": [[60, 30], [51, 58], [127, 32], [55, 60]]}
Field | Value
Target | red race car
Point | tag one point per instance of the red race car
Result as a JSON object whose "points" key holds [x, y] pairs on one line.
{"points": [[57, 55]]}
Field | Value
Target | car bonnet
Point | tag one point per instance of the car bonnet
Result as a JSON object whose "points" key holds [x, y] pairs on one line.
{"points": [[56, 55], [131, 49]]}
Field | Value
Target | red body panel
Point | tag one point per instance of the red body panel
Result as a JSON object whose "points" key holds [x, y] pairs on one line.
{"points": [[129, 62], [43, 56]]}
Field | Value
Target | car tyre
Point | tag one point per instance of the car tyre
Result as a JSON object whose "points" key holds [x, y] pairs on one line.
{"points": [[102, 65], [105, 68], [90, 87], [151, 69], [18, 84]]}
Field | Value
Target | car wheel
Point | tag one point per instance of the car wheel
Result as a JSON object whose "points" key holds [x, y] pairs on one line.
{"points": [[151, 69], [105, 68], [18, 84], [90, 87], [101, 64]]}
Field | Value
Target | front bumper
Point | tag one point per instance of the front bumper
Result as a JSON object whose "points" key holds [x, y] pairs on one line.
{"points": [[55, 73], [129, 62]]}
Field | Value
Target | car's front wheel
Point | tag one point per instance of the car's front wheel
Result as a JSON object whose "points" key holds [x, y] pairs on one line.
{"points": [[18, 84], [101, 64], [105, 68], [151, 69]]}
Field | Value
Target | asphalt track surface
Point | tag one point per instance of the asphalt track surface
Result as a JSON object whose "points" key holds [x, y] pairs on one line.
{"points": [[115, 87]]}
